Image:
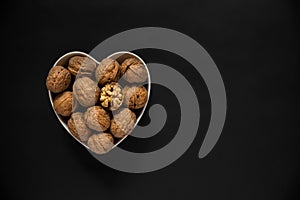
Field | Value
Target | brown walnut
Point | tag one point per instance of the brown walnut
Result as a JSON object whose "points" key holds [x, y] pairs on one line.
{"points": [[135, 97], [58, 79], [100, 143], [62, 103], [122, 123], [107, 71], [78, 127], [97, 118], [133, 70], [81, 65], [86, 91]]}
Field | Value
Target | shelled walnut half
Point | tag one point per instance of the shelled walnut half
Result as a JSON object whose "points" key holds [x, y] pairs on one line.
{"points": [[111, 96]]}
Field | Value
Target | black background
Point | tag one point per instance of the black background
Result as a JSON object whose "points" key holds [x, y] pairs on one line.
{"points": [[255, 46]]}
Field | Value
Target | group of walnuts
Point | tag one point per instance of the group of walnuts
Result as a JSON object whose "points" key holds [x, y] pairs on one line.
{"points": [[99, 103]]}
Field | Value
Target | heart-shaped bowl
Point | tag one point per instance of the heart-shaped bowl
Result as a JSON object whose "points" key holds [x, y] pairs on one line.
{"points": [[120, 57]]}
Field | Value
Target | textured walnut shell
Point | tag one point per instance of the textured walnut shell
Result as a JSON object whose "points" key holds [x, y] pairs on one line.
{"points": [[78, 128], [100, 143], [135, 97], [86, 91], [133, 71], [107, 71], [111, 96], [122, 123], [62, 103], [58, 79], [82, 65], [97, 118]]}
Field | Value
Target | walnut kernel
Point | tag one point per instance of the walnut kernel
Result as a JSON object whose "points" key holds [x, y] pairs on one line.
{"points": [[111, 96]]}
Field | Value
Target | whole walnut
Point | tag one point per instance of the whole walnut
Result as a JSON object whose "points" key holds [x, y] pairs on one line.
{"points": [[111, 96], [62, 103], [86, 91], [97, 118], [107, 71], [100, 143], [133, 70], [58, 79], [83, 65], [78, 128], [122, 123], [135, 97]]}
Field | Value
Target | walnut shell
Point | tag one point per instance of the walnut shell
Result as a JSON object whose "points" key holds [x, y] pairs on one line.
{"points": [[122, 123], [97, 118], [111, 96], [81, 64], [78, 128], [100, 143], [107, 71], [58, 79], [135, 97], [133, 70], [86, 91], [62, 103]]}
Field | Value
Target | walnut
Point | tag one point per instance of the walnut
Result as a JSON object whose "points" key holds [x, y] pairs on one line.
{"points": [[62, 103], [107, 71], [82, 65], [100, 143], [86, 91], [78, 128], [97, 118], [111, 96], [122, 123], [133, 70], [135, 97], [58, 79]]}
